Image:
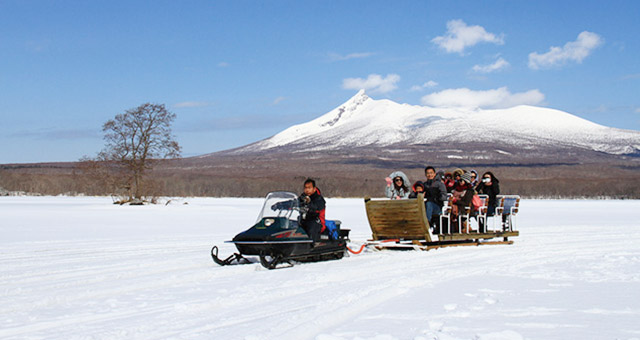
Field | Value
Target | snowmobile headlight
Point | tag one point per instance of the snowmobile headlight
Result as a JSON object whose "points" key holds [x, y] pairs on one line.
{"points": [[268, 222]]}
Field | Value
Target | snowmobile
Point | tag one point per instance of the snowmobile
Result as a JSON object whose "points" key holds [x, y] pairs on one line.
{"points": [[277, 237]]}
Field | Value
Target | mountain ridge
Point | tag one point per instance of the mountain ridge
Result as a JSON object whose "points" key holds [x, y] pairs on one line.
{"points": [[366, 123]]}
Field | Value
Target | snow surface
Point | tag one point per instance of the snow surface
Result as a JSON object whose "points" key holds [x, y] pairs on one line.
{"points": [[363, 121], [82, 268]]}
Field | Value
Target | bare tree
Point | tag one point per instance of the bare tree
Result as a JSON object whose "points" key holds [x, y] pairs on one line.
{"points": [[138, 138]]}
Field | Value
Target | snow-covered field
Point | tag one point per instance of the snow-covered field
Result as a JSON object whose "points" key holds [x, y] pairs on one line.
{"points": [[82, 268]]}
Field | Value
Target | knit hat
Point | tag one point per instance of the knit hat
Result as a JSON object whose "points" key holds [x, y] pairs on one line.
{"points": [[466, 177], [418, 184]]}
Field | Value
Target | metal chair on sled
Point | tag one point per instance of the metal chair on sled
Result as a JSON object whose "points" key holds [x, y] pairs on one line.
{"points": [[508, 210], [481, 215]]}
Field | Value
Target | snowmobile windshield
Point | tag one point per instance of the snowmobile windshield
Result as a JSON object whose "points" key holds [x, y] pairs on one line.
{"points": [[280, 204]]}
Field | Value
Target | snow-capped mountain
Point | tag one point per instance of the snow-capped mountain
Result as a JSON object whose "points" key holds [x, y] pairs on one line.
{"points": [[362, 122]]}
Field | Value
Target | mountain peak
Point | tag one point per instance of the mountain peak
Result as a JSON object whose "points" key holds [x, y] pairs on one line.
{"points": [[346, 109], [360, 96]]}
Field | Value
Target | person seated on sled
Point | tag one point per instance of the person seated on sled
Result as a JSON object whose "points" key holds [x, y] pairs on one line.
{"points": [[449, 183], [490, 186], [435, 193], [397, 186], [462, 197], [457, 174], [474, 179], [313, 208], [418, 188]]}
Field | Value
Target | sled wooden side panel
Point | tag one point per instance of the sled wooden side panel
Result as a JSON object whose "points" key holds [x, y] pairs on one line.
{"points": [[398, 219]]}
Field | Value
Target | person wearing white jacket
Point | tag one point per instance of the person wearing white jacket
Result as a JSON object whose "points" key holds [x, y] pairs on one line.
{"points": [[397, 186]]}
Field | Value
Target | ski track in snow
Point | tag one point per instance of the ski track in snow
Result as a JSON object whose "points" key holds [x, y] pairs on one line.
{"points": [[81, 268]]}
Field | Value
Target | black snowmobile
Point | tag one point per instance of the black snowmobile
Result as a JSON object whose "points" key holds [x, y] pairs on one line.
{"points": [[278, 238]]}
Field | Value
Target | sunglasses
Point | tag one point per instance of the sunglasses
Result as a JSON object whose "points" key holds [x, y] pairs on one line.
{"points": [[398, 179]]}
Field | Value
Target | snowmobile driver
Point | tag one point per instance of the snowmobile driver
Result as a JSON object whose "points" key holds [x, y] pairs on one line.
{"points": [[313, 207]]}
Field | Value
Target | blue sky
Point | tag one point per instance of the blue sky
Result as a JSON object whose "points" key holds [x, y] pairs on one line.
{"points": [[236, 72]]}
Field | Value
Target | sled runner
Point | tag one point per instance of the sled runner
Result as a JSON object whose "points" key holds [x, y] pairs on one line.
{"points": [[277, 237], [402, 224]]}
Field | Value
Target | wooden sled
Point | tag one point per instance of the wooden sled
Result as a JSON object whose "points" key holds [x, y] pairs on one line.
{"points": [[402, 224]]}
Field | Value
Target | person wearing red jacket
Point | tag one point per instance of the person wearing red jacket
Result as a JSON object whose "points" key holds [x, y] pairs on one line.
{"points": [[449, 182], [462, 197]]}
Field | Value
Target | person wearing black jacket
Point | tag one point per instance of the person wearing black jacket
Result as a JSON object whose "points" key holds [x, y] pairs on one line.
{"points": [[418, 188], [313, 206], [435, 193], [490, 186]]}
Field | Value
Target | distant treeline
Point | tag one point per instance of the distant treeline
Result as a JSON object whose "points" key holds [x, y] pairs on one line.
{"points": [[559, 181]]}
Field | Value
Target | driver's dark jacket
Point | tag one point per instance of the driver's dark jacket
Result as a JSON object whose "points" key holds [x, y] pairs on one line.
{"points": [[313, 221]]}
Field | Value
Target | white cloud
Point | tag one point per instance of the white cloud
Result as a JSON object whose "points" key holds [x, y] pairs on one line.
{"points": [[191, 104], [496, 98], [374, 83], [620, 46], [571, 51], [460, 36], [278, 100], [638, 110], [601, 109], [339, 57], [631, 76], [56, 134], [223, 64], [426, 85], [38, 45], [498, 65]]}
